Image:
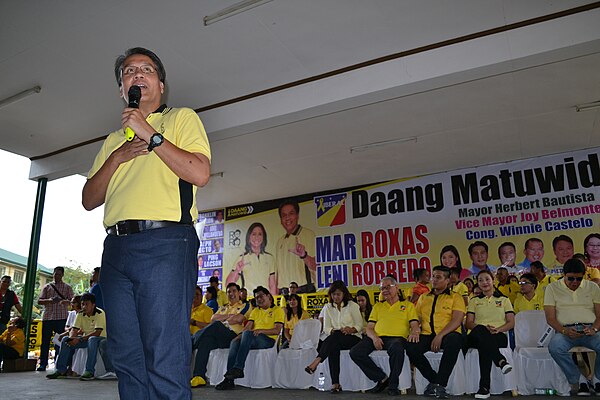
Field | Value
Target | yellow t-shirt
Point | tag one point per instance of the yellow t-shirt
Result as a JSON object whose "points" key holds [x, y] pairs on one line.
{"points": [[256, 270], [461, 289], [522, 304], [541, 287], [147, 176], [490, 310], [394, 319], [591, 273], [202, 313], [288, 266], [510, 290], [237, 308], [446, 303], [18, 337], [291, 323], [573, 306], [266, 319], [89, 324]]}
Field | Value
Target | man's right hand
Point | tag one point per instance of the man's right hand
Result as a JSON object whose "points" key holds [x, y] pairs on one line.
{"points": [[378, 343], [572, 333]]}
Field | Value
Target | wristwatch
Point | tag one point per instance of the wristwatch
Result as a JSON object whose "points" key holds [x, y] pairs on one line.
{"points": [[595, 329], [155, 140]]}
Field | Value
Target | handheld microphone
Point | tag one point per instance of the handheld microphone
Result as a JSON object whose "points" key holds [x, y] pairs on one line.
{"points": [[135, 95]]}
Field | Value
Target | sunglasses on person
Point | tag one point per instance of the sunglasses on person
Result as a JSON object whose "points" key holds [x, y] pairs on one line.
{"points": [[574, 278]]}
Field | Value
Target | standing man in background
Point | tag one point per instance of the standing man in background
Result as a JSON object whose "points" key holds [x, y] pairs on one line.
{"points": [[55, 297], [149, 264]]}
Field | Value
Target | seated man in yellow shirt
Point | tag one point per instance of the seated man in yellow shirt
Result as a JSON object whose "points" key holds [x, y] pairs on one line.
{"points": [[261, 331], [441, 313], [201, 313], [505, 286], [12, 340], [226, 325], [390, 324], [528, 298]]}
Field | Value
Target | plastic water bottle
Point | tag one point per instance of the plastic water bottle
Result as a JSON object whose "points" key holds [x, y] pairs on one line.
{"points": [[321, 382], [544, 391]]}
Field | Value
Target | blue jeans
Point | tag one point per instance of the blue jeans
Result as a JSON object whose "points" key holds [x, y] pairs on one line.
{"points": [[103, 350], [148, 283], [559, 347], [214, 336], [240, 347], [66, 353], [49, 328]]}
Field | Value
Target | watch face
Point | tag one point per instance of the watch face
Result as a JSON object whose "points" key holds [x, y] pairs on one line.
{"points": [[156, 139]]}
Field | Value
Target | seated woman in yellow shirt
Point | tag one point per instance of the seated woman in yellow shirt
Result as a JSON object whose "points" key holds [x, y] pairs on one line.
{"points": [[293, 314], [12, 340]]}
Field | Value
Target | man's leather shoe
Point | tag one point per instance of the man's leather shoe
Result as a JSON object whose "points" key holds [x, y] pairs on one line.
{"points": [[227, 384], [393, 392], [379, 387]]}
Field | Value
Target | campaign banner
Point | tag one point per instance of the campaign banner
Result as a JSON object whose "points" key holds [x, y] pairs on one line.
{"points": [[360, 235], [210, 228]]}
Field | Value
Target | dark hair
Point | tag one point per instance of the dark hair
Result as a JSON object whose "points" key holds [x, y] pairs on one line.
{"points": [[532, 240], [249, 232], [293, 283], [443, 269], [573, 266], [213, 279], [563, 238], [418, 273], [478, 243], [581, 257], [538, 265], [97, 269], [288, 309], [496, 293], [198, 288], [586, 240], [88, 297], [19, 322], [470, 280], [61, 269], [369, 306], [266, 292], [76, 299], [454, 251], [233, 284], [531, 278], [289, 202], [511, 244], [213, 292], [341, 286], [502, 268], [160, 69], [6, 277]]}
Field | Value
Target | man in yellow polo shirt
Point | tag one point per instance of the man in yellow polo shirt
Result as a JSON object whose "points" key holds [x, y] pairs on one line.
{"points": [[201, 313], [505, 286], [539, 271], [146, 174], [226, 325], [528, 298], [441, 313], [294, 254], [390, 324], [261, 331], [572, 307]]}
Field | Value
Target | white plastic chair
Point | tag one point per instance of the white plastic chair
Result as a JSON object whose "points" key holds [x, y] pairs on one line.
{"points": [[79, 360], [534, 365], [456, 382], [258, 370], [499, 382], [352, 379], [289, 368]]}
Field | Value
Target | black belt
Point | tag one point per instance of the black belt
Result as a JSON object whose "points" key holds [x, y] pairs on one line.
{"points": [[132, 226], [577, 324]]}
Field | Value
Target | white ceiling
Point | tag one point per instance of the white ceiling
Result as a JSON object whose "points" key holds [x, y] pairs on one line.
{"points": [[497, 98]]}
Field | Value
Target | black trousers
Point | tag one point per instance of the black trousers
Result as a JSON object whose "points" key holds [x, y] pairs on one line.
{"points": [[395, 349], [488, 346], [49, 328], [331, 348], [452, 344]]}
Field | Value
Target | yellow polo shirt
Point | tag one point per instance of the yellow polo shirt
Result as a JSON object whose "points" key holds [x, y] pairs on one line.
{"points": [[256, 270], [288, 266], [573, 306], [202, 313], [591, 273], [445, 304], [541, 287], [89, 324], [461, 289], [237, 308], [266, 319], [510, 290], [522, 304], [147, 176], [291, 322], [490, 310], [394, 319]]}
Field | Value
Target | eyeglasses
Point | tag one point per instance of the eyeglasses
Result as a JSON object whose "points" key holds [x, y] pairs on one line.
{"points": [[574, 278], [387, 287], [525, 283], [145, 69]]}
